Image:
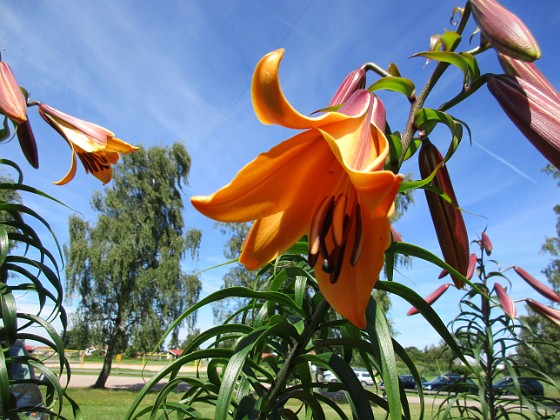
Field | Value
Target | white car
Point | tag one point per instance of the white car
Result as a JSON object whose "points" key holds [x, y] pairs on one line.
{"points": [[364, 377], [328, 376]]}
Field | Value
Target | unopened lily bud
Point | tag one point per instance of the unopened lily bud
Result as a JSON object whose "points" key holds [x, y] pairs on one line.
{"points": [[14, 106], [442, 274], [537, 285], [507, 303], [396, 235], [431, 298], [528, 72], [27, 143], [549, 313], [486, 243], [354, 81], [472, 266], [448, 220], [12, 100], [504, 30], [535, 114]]}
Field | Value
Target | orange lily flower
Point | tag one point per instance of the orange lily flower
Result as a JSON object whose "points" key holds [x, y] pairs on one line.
{"points": [[327, 182], [96, 146]]}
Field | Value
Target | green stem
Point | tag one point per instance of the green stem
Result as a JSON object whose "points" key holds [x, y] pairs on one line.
{"points": [[280, 382], [418, 103]]}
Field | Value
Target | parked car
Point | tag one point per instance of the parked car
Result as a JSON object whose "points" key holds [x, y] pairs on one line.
{"points": [[328, 376], [450, 383], [364, 377], [527, 386], [407, 381], [26, 394]]}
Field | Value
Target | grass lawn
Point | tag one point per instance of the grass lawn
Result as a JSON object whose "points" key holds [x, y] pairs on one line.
{"points": [[113, 404]]}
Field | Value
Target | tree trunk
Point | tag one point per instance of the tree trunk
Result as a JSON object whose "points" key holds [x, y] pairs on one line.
{"points": [[106, 370]]}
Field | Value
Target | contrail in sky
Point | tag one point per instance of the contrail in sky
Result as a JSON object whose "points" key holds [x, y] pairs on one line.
{"points": [[505, 162]]}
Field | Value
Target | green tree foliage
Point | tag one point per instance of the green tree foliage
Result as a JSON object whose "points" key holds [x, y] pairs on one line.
{"points": [[125, 269], [237, 275]]}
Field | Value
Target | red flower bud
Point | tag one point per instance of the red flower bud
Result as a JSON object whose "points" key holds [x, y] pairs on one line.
{"points": [[528, 72], [504, 31], [448, 220], [535, 114], [486, 243], [442, 274], [552, 314], [431, 298], [507, 303], [354, 81], [472, 266], [14, 106], [27, 143], [396, 235], [12, 100], [537, 285]]}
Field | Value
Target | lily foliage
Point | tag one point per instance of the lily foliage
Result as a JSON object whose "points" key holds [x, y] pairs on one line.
{"points": [[265, 360]]}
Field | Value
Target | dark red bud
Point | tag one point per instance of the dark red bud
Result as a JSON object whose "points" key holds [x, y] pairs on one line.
{"points": [[549, 313], [537, 285], [431, 298], [447, 219], [504, 31], [507, 303], [472, 266], [486, 243], [535, 114], [27, 142], [528, 72]]}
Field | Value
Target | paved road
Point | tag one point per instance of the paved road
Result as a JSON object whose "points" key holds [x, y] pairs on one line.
{"points": [[80, 379]]}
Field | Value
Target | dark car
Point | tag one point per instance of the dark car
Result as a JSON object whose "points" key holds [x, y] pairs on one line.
{"points": [[407, 381], [27, 394], [527, 386], [450, 383]]}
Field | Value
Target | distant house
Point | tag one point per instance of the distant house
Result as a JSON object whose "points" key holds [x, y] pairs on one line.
{"points": [[173, 354]]}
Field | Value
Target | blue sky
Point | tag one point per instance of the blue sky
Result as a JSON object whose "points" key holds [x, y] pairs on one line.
{"points": [[157, 73]]}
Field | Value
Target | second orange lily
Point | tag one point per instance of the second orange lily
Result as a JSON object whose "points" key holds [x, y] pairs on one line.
{"points": [[327, 181]]}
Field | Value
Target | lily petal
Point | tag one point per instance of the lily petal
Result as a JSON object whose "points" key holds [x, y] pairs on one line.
{"points": [[71, 172], [272, 107], [350, 294], [271, 236], [271, 182]]}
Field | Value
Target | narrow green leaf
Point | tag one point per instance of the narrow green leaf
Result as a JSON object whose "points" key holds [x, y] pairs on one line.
{"points": [[425, 309], [395, 84], [380, 336], [4, 244]]}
